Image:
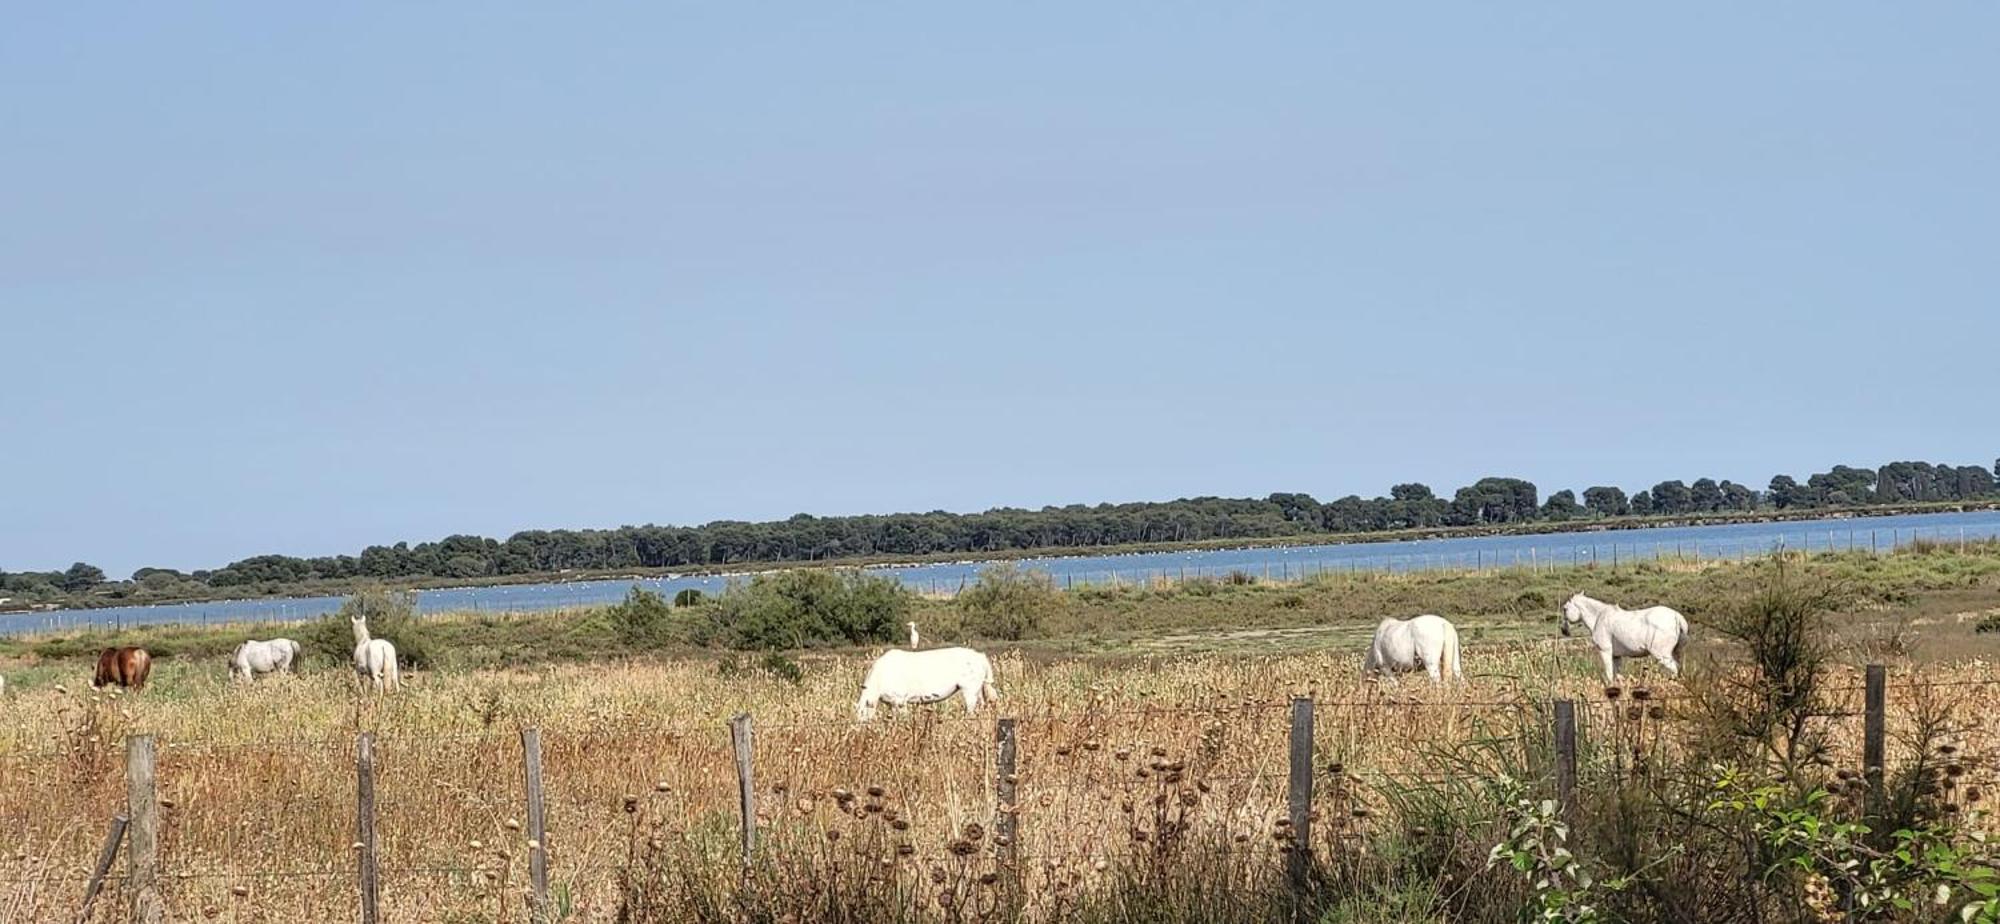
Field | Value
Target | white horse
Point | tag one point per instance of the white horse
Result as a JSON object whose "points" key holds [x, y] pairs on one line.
{"points": [[254, 657], [1427, 643], [374, 659], [903, 678], [1620, 633]]}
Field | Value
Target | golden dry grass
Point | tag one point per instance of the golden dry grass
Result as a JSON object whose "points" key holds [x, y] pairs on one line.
{"points": [[1114, 757]]}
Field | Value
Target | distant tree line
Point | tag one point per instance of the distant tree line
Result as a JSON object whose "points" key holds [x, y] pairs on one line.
{"points": [[807, 538]]}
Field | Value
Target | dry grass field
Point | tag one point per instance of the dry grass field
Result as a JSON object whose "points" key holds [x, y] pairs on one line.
{"points": [[1126, 760], [259, 780]]}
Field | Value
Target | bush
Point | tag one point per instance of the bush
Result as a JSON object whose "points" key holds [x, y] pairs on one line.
{"points": [[773, 664], [391, 614], [1009, 602], [799, 609], [1990, 624], [642, 619], [690, 596]]}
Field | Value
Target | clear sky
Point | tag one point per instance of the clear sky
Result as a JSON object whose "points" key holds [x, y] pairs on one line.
{"points": [[304, 277]]}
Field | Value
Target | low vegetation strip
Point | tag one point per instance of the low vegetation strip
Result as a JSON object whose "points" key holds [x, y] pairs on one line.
{"points": [[1900, 595]]}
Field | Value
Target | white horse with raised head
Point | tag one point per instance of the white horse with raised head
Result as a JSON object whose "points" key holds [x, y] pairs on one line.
{"points": [[254, 657], [1427, 643], [1620, 633], [374, 659], [908, 678]]}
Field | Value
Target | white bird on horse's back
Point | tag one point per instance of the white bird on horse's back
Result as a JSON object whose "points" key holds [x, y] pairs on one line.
{"points": [[1620, 633], [1427, 643], [907, 678]]}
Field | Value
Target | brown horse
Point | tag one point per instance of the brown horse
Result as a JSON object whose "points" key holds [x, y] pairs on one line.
{"points": [[126, 667]]}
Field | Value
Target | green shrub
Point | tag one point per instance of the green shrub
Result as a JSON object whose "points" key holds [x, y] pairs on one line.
{"points": [[690, 596], [1009, 602], [1198, 586], [777, 665], [773, 664], [391, 614], [805, 608], [1990, 624], [642, 619]]}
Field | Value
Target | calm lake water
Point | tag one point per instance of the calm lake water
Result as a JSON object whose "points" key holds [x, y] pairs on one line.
{"points": [[1732, 541]]}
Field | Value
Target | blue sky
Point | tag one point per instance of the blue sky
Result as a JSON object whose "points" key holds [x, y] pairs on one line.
{"points": [[300, 280]]}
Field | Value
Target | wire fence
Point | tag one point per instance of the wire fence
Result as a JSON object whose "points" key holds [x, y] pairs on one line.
{"points": [[272, 827]]}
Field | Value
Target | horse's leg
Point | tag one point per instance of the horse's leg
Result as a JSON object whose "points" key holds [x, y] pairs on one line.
{"points": [[1667, 661], [1610, 667], [971, 694]]}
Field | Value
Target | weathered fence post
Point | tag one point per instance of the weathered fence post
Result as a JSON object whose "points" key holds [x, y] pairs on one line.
{"points": [[1006, 826], [538, 829], [105, 857], [368, 869], [142, 806], [746, 791], [1298, 799], [1874, 730], [1566, 757]]}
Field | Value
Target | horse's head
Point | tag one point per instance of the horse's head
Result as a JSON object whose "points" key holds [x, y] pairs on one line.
{"points": [[1572, 613]]}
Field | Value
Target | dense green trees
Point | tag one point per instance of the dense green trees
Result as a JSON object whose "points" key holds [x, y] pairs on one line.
{"points": [[1606, 501], [809, 538], [1561, 506]]}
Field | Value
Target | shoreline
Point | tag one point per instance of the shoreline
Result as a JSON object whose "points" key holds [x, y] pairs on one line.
{"points": [[1301, 540]]}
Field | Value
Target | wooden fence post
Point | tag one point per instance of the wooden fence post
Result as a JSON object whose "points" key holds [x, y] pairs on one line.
{"points": [[1006, 824], [746, 791], [105, 857], [1298, 800], [368, 869], [538, 829], [1565, 731], [142, 806], [1873, 731]]}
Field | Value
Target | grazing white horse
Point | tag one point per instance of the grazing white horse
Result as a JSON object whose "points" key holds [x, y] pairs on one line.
{"points": [[1427, 643], [374, 659], [254, 657], [1621, 633], [903, 678]]}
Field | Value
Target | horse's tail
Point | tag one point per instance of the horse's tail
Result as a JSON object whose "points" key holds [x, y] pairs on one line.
{"points": [[1681, 640], [392, 674], [986, 688]]}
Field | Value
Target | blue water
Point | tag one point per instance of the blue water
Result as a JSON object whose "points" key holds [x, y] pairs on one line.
{"points": [[1606, 546]]}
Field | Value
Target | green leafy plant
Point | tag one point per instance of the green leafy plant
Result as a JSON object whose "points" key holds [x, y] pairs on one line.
{"points": [[1009, 602], [391, 615], [1928, 871], [1537, 847], [642, 618], [799, 609]]}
